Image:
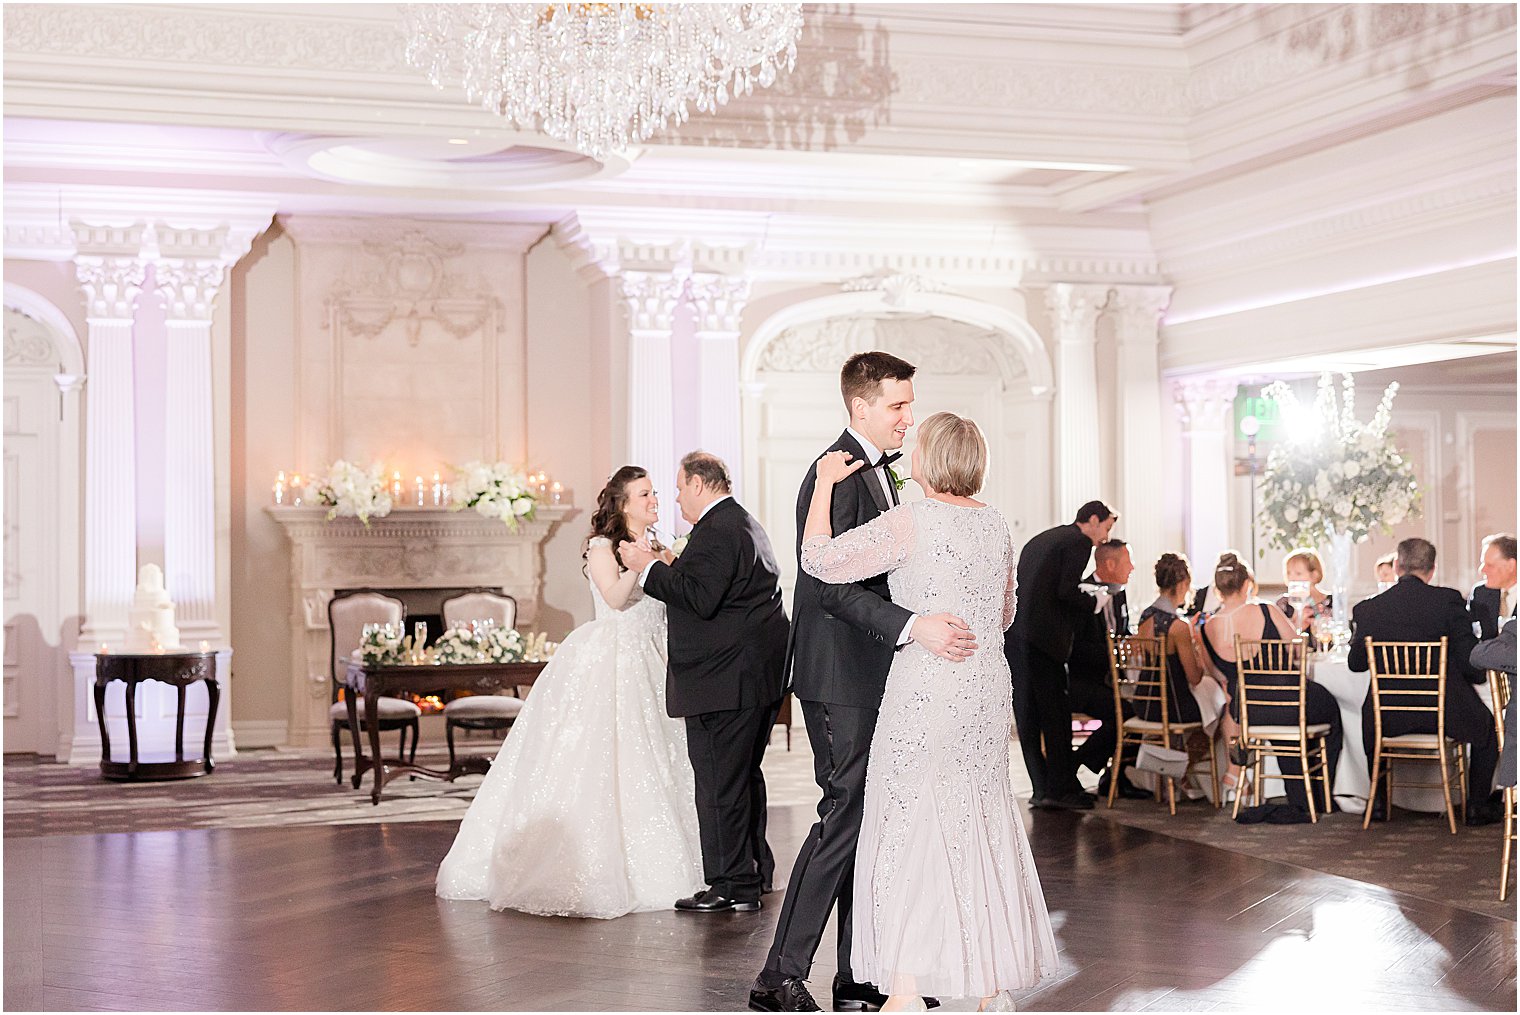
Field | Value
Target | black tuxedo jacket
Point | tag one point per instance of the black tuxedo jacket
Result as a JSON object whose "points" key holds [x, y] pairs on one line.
{"points": [[843, 636], [1089, 645], [1483, 604], [728, 628], [1051, 608], [1414, 611]]}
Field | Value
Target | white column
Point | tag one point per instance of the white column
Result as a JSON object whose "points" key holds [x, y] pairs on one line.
{"points": [[1074, 311], [110, 269], [1203, 405], [189, 272], [651, 298], [1137, 313], [718, 302]]}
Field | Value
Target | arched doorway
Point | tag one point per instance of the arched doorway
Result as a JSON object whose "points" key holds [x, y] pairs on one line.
{"points": [[973, 358], [44, 366]]}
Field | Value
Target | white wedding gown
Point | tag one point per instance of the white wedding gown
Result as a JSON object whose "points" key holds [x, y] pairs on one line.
{"points": [[947, 900], [589, 808]]}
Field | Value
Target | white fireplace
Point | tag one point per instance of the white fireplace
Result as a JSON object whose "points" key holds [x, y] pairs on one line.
{"points": [[411, 548]]}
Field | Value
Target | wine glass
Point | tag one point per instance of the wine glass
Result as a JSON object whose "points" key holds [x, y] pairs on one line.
{"points": [[1298, 594]]}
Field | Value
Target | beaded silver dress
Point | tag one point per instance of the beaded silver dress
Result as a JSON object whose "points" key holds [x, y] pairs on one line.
{"points": [[947, 900], [589, 808]]}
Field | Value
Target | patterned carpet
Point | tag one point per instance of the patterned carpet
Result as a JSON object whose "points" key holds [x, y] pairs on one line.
{"points": [[1414, 853]]}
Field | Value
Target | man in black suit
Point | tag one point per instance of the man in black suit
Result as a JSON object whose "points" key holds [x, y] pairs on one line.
{"points": [[843, 641], [1415, 610], [1051, 607], [727, 646], [1091, 680], [1493, 599]]}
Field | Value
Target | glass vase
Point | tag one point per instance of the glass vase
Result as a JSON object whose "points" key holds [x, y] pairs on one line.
{"points": [[1340, 563]]}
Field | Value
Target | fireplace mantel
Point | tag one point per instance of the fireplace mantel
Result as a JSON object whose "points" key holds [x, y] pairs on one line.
{"points": [[411, 548]]}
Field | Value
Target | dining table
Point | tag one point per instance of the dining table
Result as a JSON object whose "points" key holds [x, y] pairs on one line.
{"points": [[371, 681]]}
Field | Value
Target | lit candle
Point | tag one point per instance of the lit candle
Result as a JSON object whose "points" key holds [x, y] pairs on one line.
{"points": [[279, 487], [205, 646], [396, 486], [419, 491], [295, 489], [437, 490], [105, 649], [556, 491]]}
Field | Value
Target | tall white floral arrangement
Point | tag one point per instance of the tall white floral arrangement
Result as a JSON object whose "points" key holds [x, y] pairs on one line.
{"points": [[495, 491], [1342, 477], [351, 492]]}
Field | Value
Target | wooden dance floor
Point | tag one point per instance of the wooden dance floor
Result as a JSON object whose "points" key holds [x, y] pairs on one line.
{"points": [[344, 917]]}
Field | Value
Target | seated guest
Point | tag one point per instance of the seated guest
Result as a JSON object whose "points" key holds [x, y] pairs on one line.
{"points": [[1090, 680], [1493, 599], [1191, 695], [1304, 566], [1499, 654], [1238, 615], [1415, 610], [1385, 575]]}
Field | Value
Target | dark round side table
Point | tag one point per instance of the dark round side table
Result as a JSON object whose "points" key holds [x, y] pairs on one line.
{"points": [[178, 668]]}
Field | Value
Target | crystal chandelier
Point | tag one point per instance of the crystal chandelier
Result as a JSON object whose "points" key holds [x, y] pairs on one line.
{"points": [[599, 76]]}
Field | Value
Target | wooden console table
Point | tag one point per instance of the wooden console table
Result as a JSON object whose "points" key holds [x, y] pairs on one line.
{"points": [[178, 668], [374, 682]]}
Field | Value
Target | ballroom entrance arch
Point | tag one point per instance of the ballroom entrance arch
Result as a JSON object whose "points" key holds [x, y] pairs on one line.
{"points": [[44, 366], [973, 358]]}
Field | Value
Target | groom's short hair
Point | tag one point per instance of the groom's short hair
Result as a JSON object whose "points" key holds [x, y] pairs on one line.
{"points": [[709, 468], [863, 373]]}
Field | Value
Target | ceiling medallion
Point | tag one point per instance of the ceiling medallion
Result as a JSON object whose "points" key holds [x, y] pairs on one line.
{"points": [[601, 77]]}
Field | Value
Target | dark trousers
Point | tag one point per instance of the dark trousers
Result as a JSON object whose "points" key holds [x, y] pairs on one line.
{"points": [[1096, 700], [825, 869], [1319, 707], [726, 749], [1042, 715], [1467, 719]]}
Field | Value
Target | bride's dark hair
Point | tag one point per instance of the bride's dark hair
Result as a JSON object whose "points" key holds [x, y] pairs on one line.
{"points": [[608, 520]]}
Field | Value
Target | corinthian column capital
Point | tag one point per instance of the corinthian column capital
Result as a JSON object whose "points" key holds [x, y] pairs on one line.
{"points": [[1074, 310], [651, 298], [1137, 311], [1202, 403], [718, 301]]}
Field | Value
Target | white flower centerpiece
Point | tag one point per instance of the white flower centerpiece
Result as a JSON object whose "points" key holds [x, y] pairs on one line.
{"points": [[464, 645], [1338, 481], [351, 492], [495, 491], [383, 645]]}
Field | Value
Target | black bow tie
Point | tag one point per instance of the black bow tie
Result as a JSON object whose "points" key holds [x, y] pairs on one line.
{"points": [[887, 459]]}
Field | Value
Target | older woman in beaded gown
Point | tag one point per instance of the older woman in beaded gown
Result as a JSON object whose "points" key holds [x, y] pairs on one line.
{"points": [[947, 900]]}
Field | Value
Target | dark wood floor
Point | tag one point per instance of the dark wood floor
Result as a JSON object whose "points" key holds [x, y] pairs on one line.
{"points": [[292, 919]]}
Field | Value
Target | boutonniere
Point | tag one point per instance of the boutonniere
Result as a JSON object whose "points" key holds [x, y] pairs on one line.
{"points": [[679, 544], [897, 480]]}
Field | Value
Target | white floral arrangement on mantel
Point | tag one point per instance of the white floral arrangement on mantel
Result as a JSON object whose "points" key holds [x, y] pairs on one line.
{"points": [[351, 492], [494, 491], [1345, 478]]}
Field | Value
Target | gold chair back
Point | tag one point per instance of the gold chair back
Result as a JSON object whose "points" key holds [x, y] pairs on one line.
{"points": [[1498, 687], [1272, 672], [1402, 675], [1138, 664]]}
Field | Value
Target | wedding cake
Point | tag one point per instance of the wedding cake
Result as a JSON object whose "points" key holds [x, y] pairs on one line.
{"points": [[150, 621]]}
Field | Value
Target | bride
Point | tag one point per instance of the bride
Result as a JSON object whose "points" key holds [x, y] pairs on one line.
{"points": [[588, 809]]}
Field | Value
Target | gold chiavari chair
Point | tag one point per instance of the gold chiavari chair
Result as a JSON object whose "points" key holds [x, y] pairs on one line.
{"points": [[1276, 673], [1139, 669], [1409, 678], [1498, 686]]}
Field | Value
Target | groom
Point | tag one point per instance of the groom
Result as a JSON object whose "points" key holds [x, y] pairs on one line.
{"points": [[843, 643], [727, 645]]}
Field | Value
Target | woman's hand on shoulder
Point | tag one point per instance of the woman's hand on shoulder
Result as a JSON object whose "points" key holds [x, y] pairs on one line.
{"points": [[837, 466]]}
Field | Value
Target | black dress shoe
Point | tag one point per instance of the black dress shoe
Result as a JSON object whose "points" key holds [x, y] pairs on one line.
{"points": [[852, 996], [1484, 814], [1038, 803], [709, 901], [1127, 789], [1070, 802], [790, 995]]}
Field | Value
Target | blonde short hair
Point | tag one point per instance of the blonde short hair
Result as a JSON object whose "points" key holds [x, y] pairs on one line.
{"points": [[1309, 559], [952, 454]]}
